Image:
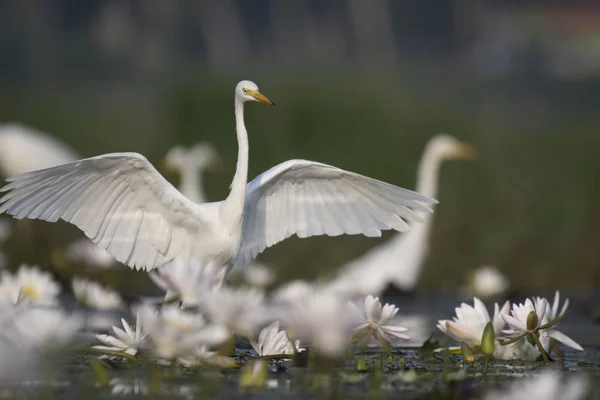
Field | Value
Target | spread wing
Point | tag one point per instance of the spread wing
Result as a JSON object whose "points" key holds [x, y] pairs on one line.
{"points": [[307, 198], [119, 200]]}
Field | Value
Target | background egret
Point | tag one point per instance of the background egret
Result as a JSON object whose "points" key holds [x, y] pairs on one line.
{"points": [[399, 259], [191, 163], [125, 206]]}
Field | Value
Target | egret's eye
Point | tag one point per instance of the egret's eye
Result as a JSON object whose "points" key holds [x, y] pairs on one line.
{"points": [[245, 91]]}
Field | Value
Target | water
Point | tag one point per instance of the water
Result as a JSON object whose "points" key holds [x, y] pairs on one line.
{"points": [[411, 373]]}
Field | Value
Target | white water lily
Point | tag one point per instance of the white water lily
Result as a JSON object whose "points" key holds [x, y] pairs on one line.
{"points": [[376, 321], [94, 295], [517, 319], [89, 253], [241, 310], [323, 319], [127, 340], [272, 341], [30, 340], [183, 280], [470, 321], [549, 336], [174, 333], [31, 284], [40, 328], [548, 385]]}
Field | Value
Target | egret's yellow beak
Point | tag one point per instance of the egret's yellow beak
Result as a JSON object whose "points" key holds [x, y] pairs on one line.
{"points": [[260, 97], [465, 151]]}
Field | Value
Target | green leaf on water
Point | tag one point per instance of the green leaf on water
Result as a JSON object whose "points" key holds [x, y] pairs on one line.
{"points": [[100, 372]]}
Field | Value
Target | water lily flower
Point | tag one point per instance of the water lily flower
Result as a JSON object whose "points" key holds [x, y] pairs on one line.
{"points": [[174, 333], [322, 319], [30, 338], [470, 321], [40, 328], [519, 320], [94, 295], [30, 283], [241, 310], [488, 282], [127, 340], [549, 336], [376, 321], [272, 341], [184, 279], [89, 253], [548, 385]]}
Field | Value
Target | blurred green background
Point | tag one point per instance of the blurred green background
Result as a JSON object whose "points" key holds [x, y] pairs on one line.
{"points": [[358, 85]]}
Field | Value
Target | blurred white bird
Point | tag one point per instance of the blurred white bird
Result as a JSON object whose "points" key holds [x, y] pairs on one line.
{"points": [[24, 149], [399, 259], [122, 203], [190, 163]]}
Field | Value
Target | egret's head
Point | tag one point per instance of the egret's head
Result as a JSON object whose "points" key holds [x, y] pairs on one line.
{"points": [[448, 147], [201, 155], [248, 91]]}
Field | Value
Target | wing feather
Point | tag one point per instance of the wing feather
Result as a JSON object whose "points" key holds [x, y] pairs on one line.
{"points": [[307, 198], [118, 200]]}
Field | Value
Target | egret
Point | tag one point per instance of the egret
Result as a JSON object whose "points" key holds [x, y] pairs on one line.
{"points": [[24, 149], [399, 259], [190, 163], [122, 203]]}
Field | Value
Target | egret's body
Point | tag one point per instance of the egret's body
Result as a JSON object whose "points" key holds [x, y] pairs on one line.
{"points": [[24, 149], [191, 163], [125, 206], [399, 260]]}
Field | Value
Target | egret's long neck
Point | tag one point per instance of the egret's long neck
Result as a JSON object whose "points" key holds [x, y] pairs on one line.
{"points": [[234, 204], [428, 174], [414, 242], [191, 181]]}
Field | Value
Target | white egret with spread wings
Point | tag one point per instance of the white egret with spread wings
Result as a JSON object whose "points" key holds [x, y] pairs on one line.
{"points": [[124, 205]]}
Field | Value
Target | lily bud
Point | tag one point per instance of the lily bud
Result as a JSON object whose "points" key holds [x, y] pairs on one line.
{"points": [[467, 353], [488, 340], [532, 321], [361, 365]]}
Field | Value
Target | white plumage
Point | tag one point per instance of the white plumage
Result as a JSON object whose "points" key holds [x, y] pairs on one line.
{"points": [[125, 206]]}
